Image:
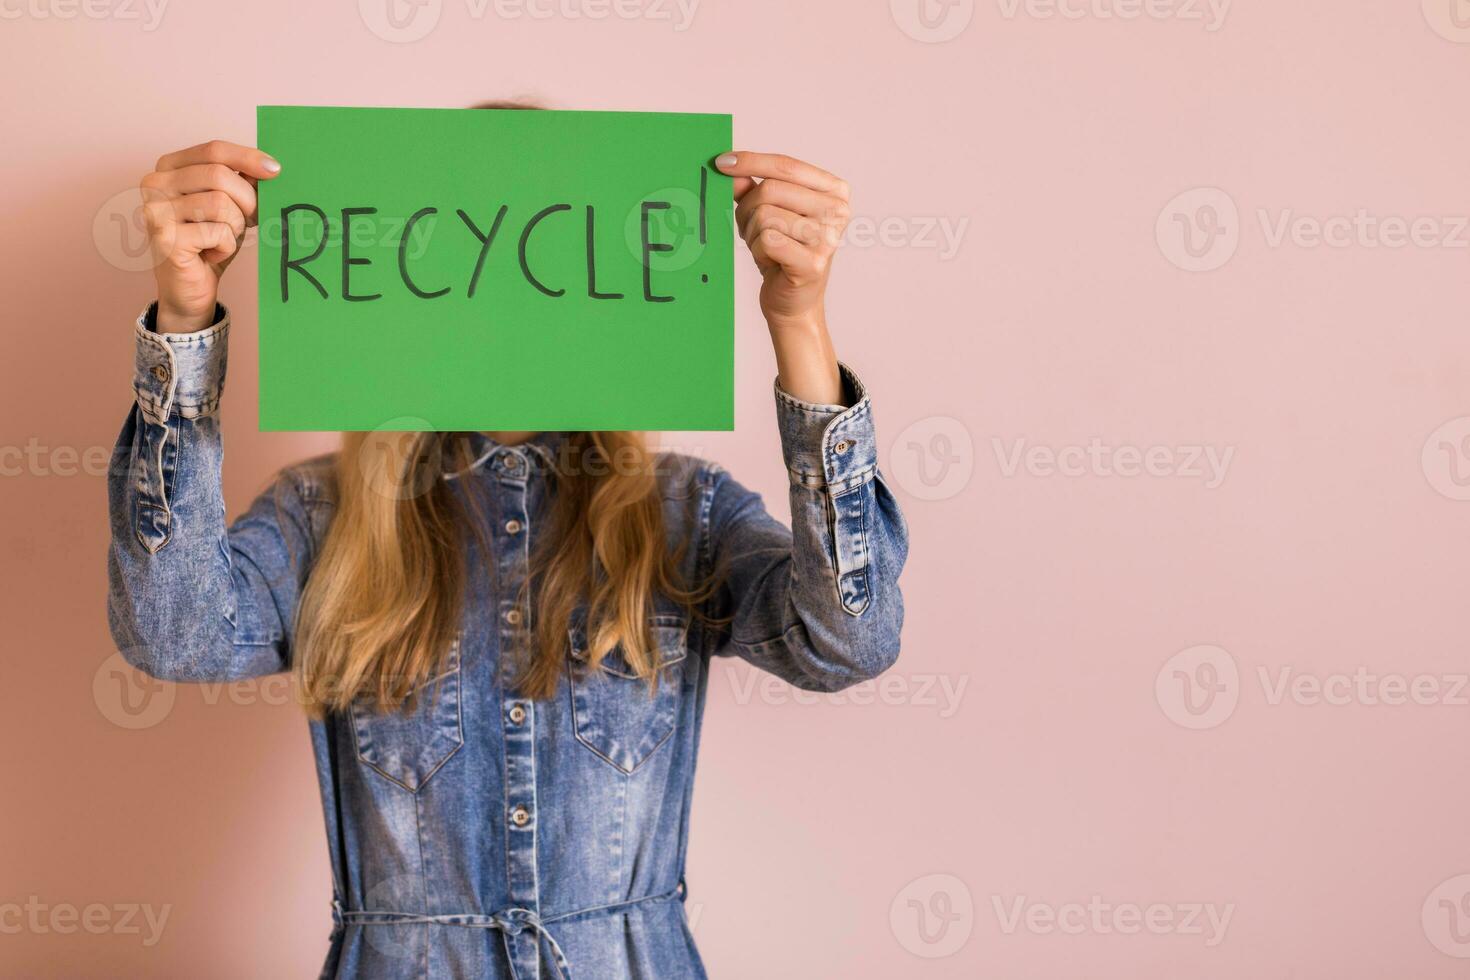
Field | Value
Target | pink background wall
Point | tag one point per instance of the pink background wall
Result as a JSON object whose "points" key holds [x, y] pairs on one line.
{"points": [[1240, 689]]}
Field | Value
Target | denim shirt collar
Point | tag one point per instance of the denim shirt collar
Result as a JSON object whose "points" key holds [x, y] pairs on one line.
{"points": [[536, 455]]}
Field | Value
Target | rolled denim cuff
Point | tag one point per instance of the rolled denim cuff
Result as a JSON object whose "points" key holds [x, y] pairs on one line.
{"points": [[179, 373], [829, 446]]}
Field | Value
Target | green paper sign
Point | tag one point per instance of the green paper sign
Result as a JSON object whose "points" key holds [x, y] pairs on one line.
{"points": [[489, 269]]}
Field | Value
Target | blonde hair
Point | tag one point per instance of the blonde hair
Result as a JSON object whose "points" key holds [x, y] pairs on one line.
{"points": [[382, 606]]}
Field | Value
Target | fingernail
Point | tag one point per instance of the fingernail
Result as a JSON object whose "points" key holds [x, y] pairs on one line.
{"points": [[270, 166], [726, 160]]}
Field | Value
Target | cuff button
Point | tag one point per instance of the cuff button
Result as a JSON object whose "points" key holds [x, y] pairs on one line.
{"points": [[160, 372]]}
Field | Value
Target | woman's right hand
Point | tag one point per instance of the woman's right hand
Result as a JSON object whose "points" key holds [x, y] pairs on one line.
{"points": [[197, 204]]}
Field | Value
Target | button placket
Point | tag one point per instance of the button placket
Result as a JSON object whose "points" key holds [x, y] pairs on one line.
{"points": [[518, 720]]}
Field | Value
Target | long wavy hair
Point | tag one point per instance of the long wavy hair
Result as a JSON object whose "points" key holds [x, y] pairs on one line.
{"points": [[382, 606]]}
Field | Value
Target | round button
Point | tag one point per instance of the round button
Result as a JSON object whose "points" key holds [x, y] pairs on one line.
{"points": [[843, 446], [517, 714], [160, 372], [513, 617], [512, 526], [520, 816]]}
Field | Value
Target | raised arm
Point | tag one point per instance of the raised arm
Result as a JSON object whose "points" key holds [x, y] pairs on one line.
{"points": [[190, 599], [819, 604]]}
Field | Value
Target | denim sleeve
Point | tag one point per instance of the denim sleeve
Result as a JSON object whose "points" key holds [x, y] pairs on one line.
{"points": [[818, 605], [189, 599]]}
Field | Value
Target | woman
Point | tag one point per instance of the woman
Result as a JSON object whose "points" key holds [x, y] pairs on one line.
{"points": [[502, 638]]}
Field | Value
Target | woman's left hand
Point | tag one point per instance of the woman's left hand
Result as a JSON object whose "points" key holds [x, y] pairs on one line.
{"points": [[792, 215]]}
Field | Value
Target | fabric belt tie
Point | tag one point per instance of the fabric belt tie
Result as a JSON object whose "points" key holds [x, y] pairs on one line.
{"points": [[509, 923]]}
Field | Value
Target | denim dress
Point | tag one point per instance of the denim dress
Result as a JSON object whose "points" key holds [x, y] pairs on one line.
{"points": [[485, 834]]}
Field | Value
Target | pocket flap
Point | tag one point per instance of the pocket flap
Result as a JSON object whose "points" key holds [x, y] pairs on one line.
{"points": [[670, 636]]}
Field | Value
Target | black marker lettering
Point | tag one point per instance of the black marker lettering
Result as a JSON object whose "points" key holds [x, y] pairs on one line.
{"points": [[403, 255], [592, 263], [649, 248], [703, 204], [348, 261], [485, 242], [526, 237], [287, 263]]}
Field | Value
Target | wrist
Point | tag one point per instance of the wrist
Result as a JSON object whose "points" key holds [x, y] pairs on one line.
{"points": [[169, 320], [806, 364], [809, 324]]}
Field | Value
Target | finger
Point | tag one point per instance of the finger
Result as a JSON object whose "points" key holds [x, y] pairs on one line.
{"points": [[210, 206], [742, 186], [212, 241], [745, 163], [207, 177], [245, 159], [773, 248], [795, 197], [808, 231]]}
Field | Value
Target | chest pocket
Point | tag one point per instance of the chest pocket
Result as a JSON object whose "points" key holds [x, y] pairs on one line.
{"points": [[616, 715], [408, 749]]}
